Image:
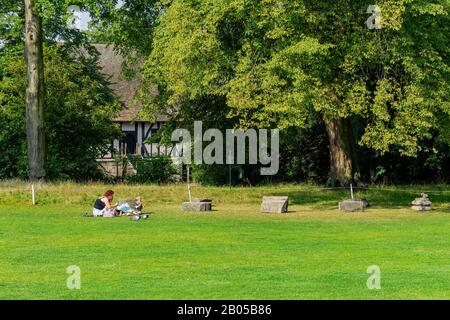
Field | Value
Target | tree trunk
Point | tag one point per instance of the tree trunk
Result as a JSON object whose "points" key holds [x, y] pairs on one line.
{"points": [[35, 92], [344, 164]]}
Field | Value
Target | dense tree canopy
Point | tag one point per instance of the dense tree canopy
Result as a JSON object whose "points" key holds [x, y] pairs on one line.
{"points": [[378, 95], [275, 62]]}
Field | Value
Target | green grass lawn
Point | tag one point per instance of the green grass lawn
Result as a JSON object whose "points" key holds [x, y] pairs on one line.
{"points": [[235, 252]]}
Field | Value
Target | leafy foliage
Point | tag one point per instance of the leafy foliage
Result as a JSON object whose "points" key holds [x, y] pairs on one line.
{"points": [[78, 109], [275, 62]]}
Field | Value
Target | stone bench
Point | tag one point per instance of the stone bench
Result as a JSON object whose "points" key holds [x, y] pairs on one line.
{"points": [[274, 205]]}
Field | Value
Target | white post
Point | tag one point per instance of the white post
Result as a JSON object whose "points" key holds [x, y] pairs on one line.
{"points": [[189, 184], [33, 199], [351, 190]]}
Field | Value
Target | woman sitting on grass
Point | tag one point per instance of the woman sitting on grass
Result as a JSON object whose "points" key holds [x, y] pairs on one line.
{"points": [[103, 206]]}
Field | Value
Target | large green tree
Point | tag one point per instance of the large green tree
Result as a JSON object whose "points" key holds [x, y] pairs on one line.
{"points": [[34, 22], [77, 114], [274, 62], [30, 24]]}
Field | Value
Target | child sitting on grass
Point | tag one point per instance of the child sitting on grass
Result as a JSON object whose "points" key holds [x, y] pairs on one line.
{"points": [[138, 205], [131, 208]]}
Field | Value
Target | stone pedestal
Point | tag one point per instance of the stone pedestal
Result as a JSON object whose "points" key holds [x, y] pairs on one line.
{"points": [[353, 205], [274, 205], [422, 204], [197, 206]]}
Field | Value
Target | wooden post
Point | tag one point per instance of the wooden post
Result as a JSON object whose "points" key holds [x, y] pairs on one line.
{"points": [[34, 58]]}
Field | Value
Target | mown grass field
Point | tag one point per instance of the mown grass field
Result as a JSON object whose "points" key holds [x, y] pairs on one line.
{"points": [[235, 252]]}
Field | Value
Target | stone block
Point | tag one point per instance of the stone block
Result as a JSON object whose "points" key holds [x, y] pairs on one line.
{"points": [[197, 206], [353, 205], [275, 205]]}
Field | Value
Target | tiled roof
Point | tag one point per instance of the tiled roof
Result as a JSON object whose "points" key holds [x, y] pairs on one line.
{"points": [[111, 64]]}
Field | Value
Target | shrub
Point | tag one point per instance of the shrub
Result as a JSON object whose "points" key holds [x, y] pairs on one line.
{"points": [[152, 170], [210, 174]]}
